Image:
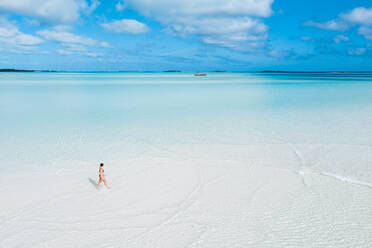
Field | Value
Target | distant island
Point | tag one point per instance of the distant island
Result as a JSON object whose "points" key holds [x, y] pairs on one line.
{"points": [[172, 71], [16, 70]]}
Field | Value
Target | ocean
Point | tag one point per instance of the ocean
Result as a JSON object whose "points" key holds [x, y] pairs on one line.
{"points": [[59, 120]]}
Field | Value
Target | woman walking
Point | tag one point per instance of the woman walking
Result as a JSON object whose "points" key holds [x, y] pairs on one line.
{"points": [[102, 176]]}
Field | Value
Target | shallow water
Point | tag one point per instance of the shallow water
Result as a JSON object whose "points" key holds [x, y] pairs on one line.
{"points": [[320, 122]]}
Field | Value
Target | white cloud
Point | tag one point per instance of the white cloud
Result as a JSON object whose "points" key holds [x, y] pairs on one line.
{"points": [[164, 9], [55, 11], [233, 23], [67, 37], [235, 31], [126, 26], [13, 38], [71, 43], [120, 5], [241, 28], [357, 16], [357, 51], [61, 11], [360, 15], [340, 38], [366, 32], [335, 25]]}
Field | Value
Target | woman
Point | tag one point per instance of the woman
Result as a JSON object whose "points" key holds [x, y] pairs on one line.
{"points": [[102, 176]]}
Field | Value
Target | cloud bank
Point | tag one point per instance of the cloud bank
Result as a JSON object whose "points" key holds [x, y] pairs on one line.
{"points": [[235, 23], [66, 37], [72, 43], [54, 11], [13, 40], [358, 16]]}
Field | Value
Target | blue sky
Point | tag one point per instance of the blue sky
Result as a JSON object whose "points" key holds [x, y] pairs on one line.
{"points": [[237, 35]]}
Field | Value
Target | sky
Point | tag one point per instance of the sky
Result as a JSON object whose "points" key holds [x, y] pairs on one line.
{"points": [[156, 35]]}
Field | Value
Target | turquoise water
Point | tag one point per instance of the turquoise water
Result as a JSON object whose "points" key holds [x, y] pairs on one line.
{"points": [[59, 121]]}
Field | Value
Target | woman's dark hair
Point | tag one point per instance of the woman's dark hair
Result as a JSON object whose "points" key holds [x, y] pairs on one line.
{"points": [[101, 164]]}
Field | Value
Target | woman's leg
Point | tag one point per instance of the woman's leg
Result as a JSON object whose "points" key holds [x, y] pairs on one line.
{"points": [[99, 182], [104, 181]]}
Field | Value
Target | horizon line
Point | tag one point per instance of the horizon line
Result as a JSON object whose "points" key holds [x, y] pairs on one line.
{"points": [[181, 71]]}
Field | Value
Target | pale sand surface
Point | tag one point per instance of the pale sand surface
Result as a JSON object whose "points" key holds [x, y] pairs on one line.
{"points": [[164, 202]]}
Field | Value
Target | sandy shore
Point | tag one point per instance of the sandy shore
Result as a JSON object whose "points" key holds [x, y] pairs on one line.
{"points": [[184, 203]]}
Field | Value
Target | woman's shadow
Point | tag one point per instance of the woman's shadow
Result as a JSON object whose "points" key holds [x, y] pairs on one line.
{"points": [[93, 182]]}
